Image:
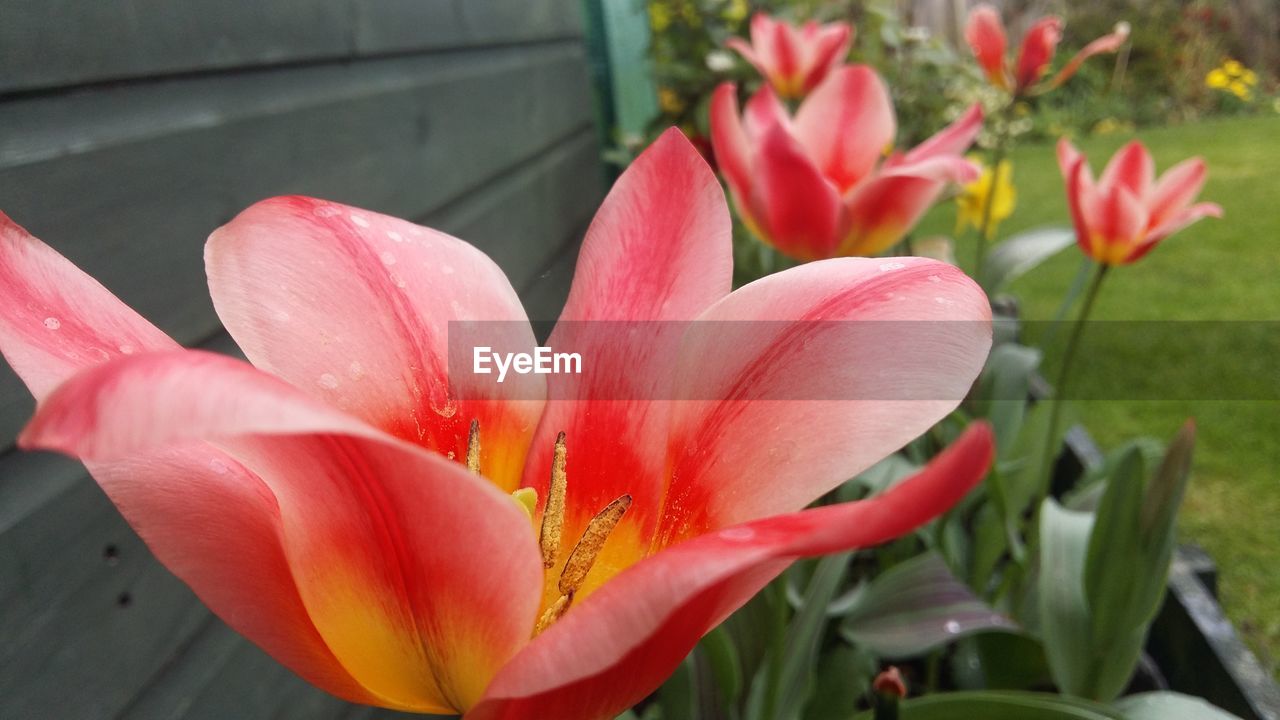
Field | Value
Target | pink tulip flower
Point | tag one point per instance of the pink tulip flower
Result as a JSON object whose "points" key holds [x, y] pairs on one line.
{"points": [[794, 59], [1126, 213], [504, 556], [986, 36], [819, 185]]}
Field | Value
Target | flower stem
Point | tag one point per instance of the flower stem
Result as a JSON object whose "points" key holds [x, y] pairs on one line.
{"points": [[1060, 383], [998, 151]]}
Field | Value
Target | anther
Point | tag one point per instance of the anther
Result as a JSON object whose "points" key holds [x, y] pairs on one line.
{"points": [[553, 613], [473, 448], [553, 514], [588, 548]]}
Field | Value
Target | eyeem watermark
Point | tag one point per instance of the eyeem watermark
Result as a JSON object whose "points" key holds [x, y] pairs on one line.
{"points": [[542, 361]]}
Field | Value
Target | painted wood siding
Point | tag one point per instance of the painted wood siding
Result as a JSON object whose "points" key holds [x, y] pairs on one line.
{"points": [[129, 130]]}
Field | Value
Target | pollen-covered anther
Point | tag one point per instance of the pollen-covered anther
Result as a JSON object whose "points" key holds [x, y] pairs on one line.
{"points": [[589, 545], [553, 613], [473, 448], [553, 514]]}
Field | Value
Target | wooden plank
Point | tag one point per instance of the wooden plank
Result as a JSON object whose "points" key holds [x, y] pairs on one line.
{"points": [[128, 183], [56, 43], [525, 219]]}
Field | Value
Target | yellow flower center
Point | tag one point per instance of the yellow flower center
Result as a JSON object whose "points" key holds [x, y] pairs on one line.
{"points": [[578, 564]]}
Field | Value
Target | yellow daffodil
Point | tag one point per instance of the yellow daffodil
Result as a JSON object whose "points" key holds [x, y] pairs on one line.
{"points": [[972, 200]]}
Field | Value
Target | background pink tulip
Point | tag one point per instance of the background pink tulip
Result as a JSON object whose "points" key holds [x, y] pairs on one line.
{"points": [[985, 34], [1127, 212], [819, 185], [317, 500], [794, 59]]}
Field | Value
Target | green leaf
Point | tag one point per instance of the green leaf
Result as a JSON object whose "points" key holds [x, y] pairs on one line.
{"points": [[804, 636], [722, 656], [1064, 612], [1021, 253], [877, 478], [1128, 562], [1003, 389], [995, 705], [917, 606], [1168, 706], [844, 677], [679, 694]]}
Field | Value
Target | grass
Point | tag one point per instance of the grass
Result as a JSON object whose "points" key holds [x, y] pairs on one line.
{"points": [[1216, 270]]}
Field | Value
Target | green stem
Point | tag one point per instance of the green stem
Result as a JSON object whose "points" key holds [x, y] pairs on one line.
{"points": [[1060, 384], [997, 156]]}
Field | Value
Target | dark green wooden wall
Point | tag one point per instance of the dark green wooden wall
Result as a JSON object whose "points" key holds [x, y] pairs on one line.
{"points": [[129, 130]]}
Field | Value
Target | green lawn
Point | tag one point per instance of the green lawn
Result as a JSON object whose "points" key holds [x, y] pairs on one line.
{"points": [[1225, 269]]}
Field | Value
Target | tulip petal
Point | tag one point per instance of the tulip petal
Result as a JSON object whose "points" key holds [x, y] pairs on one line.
{"points": [[846, 124], [764, 110], [805, 378], [1080, 191], [1131, 167], [880, 211], [354, 308], [985, 34], [55, 320], [615, 648], [828, 49], [658, 252], [1180, 220], [1105, 44], [421, 579], [801, 208], [1176, 189], [1117, 222], [729, 140], [952, 140], [1038, 48]]}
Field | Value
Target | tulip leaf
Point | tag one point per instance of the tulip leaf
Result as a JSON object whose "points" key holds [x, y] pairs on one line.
{"points": [[1064, 611], [1128, 562], [1021, 253], [877, 478], [804, 636], [917, 606], [1002, 390], [844, 677], [722, 657], [1168, 706], [1002, 705]]}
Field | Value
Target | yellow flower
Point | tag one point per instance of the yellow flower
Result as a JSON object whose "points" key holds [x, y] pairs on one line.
{"points": [[1217, 79], [972, 201], [659, 16], [1249, 77], [1240, 90], [670, 101], [736, 11], [1232, 67]]}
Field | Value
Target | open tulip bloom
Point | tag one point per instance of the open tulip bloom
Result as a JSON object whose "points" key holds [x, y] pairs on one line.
{"points": [[498, 556], [1127, 212], [819, 185], [986, 37], [794, 59]]}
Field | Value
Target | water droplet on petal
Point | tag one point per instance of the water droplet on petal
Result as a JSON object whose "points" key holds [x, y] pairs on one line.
{"points": [[127, 349], [325, 211], [944, 301], [52, 323], [952, 627], [886, 267], [935, 279], [396, 280], [360, 220], [98, 354], [328, 381], [395, 236], [738, 534], [280, 315], [355, 370], [387, 257], [219, 467]]}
